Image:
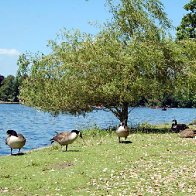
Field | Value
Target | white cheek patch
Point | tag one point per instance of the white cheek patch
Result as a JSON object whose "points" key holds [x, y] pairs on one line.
{"points": [[73, 136]]}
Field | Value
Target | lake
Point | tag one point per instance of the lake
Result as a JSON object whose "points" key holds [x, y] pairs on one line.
{"points": [[38, 127]]}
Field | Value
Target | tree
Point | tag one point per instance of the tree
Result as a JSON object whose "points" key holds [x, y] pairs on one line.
{"points": [[8, 89], [187, 28], [101, 71], [115, 68], [186, 85], [185, 36]]}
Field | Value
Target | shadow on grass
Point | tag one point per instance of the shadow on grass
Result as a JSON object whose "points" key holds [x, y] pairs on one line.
{"points": [[143, 130], [125, 142], [151, 130], [71, 151], [18, 154]]}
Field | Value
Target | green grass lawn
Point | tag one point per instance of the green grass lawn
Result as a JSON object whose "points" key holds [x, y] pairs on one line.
{"points": [[152, 164]]}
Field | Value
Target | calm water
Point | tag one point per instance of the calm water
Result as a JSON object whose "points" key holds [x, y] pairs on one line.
{"points": [[38, 127]]}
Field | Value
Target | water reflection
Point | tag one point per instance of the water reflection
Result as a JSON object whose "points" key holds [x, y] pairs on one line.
{"points": [[38, 127]]}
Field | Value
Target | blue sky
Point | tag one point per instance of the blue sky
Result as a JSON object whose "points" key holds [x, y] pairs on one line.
{"points": [[27, 25]]}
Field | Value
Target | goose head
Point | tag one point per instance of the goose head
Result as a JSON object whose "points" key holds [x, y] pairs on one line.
{"points": [[12, 133], [122, 123], [77, 132], [175, 121]]}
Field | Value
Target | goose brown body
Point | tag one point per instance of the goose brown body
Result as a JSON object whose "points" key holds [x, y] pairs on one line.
{"points": [[122, 131], [188, 133], [65, 138], [15, 140]]}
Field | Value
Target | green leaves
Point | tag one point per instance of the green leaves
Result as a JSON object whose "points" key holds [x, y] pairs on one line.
{"points": [[100, 70], [140, 19], [187, 28], [9, 89]]}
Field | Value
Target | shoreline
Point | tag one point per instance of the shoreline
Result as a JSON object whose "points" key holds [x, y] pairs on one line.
{"points": [[26, 151], [7, 102]]}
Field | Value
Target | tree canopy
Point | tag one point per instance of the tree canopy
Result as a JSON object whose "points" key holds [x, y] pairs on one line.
{"points": [[141, 19]]}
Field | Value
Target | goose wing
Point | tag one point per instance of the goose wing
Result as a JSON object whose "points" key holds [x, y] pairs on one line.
{"points": [[60, 136], [6, 140], [188, 133], [21, 137]]}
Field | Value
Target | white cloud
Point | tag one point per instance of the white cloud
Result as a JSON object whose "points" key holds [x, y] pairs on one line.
{"points": [[9, 52]]}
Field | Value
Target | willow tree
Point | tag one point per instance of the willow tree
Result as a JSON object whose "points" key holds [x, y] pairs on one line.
{"points": [[127, 60]]}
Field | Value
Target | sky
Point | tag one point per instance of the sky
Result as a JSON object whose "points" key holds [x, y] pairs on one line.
{"points": [[27, 25]]}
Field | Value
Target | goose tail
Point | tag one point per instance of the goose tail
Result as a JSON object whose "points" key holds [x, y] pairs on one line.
{"points": [[51, 140]]}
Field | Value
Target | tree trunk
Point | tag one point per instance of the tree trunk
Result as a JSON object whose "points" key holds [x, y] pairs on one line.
{"points": [[123, 115], [121, 112]]}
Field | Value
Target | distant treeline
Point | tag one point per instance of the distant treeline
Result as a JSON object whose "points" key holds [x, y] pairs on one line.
{"points": [[169, 101], [9, 92], [9, 89]]}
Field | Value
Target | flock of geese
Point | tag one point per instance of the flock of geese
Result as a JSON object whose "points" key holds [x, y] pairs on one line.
{"points": [[183, 130], [16, 141]]}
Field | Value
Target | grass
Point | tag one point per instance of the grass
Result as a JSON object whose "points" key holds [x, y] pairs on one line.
{"points": [[152, 164]]}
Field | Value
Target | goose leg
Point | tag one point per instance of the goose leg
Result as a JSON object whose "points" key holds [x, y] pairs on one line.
{"points": [[11, 151], [19, 151], [119, 139], [66, 147]]}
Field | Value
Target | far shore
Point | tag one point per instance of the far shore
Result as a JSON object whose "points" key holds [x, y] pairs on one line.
{"points": [[7, 102]]}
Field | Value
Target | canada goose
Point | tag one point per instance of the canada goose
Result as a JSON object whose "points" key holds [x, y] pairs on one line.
{"points": [[122, 131], [178, 127], [15, 140], [65, 138], [188, 133]]}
